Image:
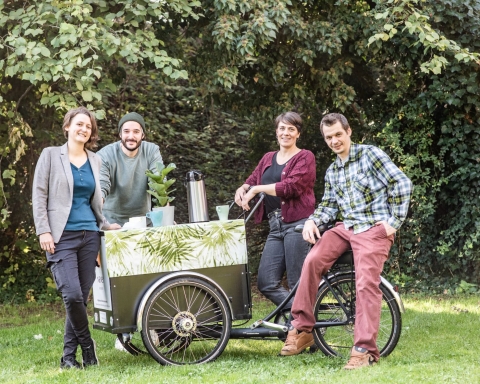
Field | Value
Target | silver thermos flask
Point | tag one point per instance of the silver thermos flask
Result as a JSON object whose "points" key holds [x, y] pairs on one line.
{"points": [[196, 197]]}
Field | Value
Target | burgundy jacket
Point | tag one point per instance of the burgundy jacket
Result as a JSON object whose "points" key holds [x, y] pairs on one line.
{"points": [[295, 188]]}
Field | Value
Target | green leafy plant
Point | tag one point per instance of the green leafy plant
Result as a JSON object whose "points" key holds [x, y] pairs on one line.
{"points": [[160, 185], [465, 287]]}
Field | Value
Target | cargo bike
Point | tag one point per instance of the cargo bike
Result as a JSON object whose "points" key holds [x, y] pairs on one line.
{"points": [[175, 292]]}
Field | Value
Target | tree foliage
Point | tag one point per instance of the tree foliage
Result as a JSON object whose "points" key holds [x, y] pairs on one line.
{"points": [[55, 55], [66, 53], [404, 72]]}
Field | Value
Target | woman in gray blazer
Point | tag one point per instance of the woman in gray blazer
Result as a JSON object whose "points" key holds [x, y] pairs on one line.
{"points": [[67, 209]]}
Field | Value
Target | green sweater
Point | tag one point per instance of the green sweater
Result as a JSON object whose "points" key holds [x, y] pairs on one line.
{"points": [[124, 183]]}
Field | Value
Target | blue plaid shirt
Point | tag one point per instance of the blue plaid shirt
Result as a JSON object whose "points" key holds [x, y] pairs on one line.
{"points": [[367, 188]]}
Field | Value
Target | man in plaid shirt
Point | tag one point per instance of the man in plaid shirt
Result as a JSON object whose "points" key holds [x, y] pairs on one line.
{"points": [[371, 195]]}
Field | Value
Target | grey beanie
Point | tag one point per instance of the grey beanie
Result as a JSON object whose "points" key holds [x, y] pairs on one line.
{"points": [[132, 116]]}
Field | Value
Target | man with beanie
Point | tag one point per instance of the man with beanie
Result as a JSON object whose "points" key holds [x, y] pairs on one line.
{"points": [[122, 176]]}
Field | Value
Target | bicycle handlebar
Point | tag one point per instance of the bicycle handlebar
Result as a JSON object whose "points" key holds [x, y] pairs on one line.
{"points": [[261, 196]]}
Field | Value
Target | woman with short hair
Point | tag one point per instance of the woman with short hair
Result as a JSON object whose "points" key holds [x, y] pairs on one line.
{"points": [[287, 177]]}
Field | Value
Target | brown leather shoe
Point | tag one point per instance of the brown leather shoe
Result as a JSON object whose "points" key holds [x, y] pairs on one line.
{"points": [[359, 359], [296, 342]]}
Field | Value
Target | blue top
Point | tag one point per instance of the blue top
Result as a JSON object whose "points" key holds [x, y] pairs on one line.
{"points": [[81, 216]]}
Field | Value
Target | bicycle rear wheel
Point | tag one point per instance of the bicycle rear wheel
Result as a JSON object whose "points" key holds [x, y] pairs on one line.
{"points": [[186, 321], [338, 340]]}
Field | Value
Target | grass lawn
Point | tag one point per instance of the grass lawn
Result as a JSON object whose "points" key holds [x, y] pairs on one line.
{"points": [[440, 343]]}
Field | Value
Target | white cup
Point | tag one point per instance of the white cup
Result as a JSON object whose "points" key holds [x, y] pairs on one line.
{"points": [[138, 222]]}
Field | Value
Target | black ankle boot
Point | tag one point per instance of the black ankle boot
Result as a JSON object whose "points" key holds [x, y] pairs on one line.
{"points": [[69, 362], [89, 355]]}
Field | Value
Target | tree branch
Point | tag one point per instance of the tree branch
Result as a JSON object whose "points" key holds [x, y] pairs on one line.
{"points": [[21, 97]]}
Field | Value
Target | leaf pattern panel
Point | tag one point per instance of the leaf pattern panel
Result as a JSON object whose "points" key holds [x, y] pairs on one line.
{"points": [[175, 248]]}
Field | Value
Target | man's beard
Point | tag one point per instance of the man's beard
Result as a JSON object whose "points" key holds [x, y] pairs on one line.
{"points": [[124, 143]]}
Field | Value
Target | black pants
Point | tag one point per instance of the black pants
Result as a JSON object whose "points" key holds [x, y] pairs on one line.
{"points": [[73, 268]]}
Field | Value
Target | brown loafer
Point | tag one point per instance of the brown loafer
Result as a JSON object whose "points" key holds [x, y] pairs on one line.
{"points": [[296, 342]]}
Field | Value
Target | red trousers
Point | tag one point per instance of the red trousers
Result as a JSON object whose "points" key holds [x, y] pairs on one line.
{"points": [[370, 249]]}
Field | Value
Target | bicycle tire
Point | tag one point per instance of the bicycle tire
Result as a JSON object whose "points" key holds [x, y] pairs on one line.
{"points": [[338, 340], [131, 345], [191, 321]]}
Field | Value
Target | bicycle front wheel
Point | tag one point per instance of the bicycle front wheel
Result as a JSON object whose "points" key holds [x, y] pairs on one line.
{"points": [[338, 340]]}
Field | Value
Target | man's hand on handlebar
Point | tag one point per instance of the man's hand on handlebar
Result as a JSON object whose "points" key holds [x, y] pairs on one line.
{"points": [[310, 231]]}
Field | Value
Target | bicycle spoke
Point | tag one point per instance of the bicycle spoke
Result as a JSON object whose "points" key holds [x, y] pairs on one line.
{"points": [[188, 320], [338, 340]]}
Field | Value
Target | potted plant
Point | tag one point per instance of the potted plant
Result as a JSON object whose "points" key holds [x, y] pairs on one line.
{"points": [[160, 189]]}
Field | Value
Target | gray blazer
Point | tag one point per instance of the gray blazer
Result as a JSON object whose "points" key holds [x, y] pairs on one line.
{"points": [[52, 194]]}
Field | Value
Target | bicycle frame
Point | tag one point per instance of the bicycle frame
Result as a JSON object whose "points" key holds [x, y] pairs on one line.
{"points": [[264, 328], [280, 330]]}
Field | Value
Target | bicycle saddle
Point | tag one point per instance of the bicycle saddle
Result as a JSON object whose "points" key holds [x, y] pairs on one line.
{"points": [[322, 227], [345, 258]]}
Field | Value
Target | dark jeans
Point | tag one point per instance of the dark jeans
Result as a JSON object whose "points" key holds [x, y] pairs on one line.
{"points": [[73, 268], [285, 250]]}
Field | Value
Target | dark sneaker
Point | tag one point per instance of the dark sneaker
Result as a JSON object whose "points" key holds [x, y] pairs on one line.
{"points": [[69, 362], [360, 358], [296, 342], [89, 355]]}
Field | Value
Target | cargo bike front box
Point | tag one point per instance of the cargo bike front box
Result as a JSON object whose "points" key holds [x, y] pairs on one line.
{"points": [[180, 287]]}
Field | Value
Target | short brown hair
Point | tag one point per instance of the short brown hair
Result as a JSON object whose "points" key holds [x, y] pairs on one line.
{"points": [[333, 118], [67, 120], [292, 118]]}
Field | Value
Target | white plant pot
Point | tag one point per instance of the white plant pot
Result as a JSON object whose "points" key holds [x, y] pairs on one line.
{"points": [[168, 214]]}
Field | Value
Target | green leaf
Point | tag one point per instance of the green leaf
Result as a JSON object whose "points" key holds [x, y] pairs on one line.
{"points": [[66, 28], [86, 61], [45, 51], [87, 95], [79, 85], [100, 114], [9, 174]]}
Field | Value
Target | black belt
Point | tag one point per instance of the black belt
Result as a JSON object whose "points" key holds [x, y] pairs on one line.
{"points": [[276, 212]]}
